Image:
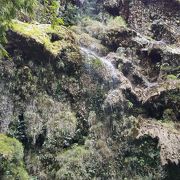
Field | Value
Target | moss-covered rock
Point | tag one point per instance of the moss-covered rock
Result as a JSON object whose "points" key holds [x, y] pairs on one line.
{"points": [[91, 32], [118, 37], [52, 39], [44, 42], [87, 41], [11, 159]]}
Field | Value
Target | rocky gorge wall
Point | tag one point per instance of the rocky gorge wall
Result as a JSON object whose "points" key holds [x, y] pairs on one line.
{"points": [[142, 13], [97, 100]]}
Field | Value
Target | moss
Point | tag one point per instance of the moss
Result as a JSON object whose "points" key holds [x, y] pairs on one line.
{"points": [[171, 76], [11, 157], [166, 67], [116, 22], [16, 172], [92, 26], [73, 154], [10, 148], [97, 63], [64, 124], [96, 28], [53, 39]]}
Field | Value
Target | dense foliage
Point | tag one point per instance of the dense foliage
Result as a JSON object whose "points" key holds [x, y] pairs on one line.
{"points": [[45, 11], [8, 11]]}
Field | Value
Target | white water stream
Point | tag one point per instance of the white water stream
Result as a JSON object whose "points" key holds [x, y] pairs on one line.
{"points": [[111, 71]]}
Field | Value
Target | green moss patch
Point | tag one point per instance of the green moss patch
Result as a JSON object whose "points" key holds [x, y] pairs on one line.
{"points": [[11, 159], [52, 39], [10, 148]]}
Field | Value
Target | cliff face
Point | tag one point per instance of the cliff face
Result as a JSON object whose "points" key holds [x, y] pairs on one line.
{"points": [[141, 13], [99, 100]]}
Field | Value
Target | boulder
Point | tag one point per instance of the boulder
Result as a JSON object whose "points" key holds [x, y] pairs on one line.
{"points": [[118, 37], [42, 42]]}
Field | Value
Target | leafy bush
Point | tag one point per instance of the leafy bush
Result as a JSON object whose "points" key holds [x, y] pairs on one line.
{"points": [[72, 163], [48, 12], [70, 15], [11, 159]]}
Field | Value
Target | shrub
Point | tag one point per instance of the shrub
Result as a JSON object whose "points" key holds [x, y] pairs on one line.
{"points": [[115, 22], [11, 159]]}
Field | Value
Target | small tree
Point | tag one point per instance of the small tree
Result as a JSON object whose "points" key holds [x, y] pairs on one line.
{"points": [[49, 12]]}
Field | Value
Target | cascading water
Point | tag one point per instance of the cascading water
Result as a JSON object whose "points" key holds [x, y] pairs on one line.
{"points": [[110, 73], [94, 62], [100, 67]]}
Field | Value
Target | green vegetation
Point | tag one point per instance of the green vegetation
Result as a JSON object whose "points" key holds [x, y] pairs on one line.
{"points": [[63, 127], [72, 163], [143, 159], [115, 22], [11, 158], [43, 34], [171, 77], [8, 11], [168, 115], [129, 104], [70, 15], [23, 9], [97, 63], [47, 11]]}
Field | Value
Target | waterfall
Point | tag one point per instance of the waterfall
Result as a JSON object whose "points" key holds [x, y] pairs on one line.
{"points": [[106, 70]]}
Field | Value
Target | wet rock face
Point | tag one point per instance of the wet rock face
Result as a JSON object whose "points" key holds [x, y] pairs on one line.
{"points": [[82, 102], [117, 7], [113, 6], [142, 13], [119, 37], [155, 18], [158, 104], [147, 56], [78, 3]]}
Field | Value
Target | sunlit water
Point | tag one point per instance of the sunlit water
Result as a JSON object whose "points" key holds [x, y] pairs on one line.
{"points": [[109, 72]]}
